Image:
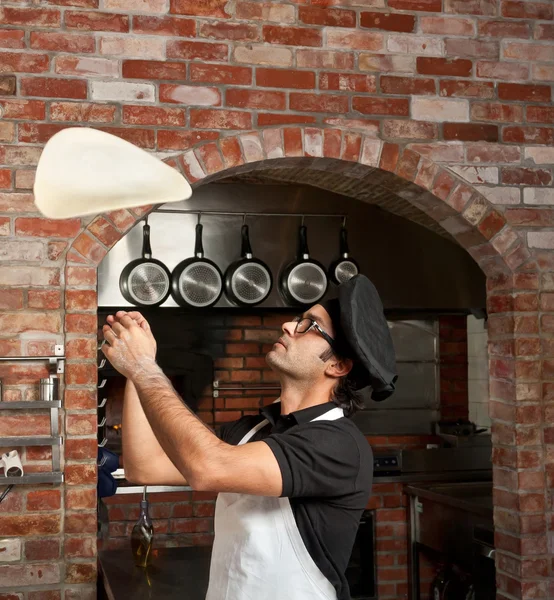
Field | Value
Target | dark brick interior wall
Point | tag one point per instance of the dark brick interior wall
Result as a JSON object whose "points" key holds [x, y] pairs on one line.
{"points": [[237, 342], [453, 367]]}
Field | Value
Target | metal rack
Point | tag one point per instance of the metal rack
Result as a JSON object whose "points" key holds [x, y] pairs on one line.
{"points": [[54, 439], [241, 388], [245, 214], [101, 403]]}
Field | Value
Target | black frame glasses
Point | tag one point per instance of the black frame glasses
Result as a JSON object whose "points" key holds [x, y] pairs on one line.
{"points": [[313, 324]]}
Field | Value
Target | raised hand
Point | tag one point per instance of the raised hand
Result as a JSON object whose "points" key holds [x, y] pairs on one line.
{"points": [[139, 320], [130, 346]]}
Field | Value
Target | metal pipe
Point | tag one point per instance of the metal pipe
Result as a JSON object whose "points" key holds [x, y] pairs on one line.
{"points": [[153, 489], [242, 388], [29, 358], [244, 214], [6, 492]]}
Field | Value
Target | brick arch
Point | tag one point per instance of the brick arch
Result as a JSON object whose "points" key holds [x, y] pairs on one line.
{"points": [[512, 278], [459, 209]]}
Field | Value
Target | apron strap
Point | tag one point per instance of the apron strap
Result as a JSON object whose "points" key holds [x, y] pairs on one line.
{"points": [[331, 415], [253, 431]]}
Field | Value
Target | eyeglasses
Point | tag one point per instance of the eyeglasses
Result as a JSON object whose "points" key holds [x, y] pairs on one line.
{"points": [[303, 325]]}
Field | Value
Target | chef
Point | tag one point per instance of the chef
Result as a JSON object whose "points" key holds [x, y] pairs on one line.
{"points": [[292, 481]]}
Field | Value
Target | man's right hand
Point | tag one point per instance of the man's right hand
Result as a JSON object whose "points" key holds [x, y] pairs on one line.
{"points": [[138, 319]]}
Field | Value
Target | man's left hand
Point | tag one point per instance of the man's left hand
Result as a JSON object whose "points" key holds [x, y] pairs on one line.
{"points": [[128, 347]]}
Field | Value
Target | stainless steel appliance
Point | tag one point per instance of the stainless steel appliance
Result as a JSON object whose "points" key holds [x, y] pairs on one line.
{"points": [[450, 516], [452, 524], [466, 463]]}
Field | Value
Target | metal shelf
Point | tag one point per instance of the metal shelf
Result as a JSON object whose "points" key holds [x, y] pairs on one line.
{"points": [[58, 359], [46, 404], [54, 440], [152, 489], [31, 441], [33, 478]]}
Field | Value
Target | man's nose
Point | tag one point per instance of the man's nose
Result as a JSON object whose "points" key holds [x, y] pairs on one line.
{"points": [[288, 327]]}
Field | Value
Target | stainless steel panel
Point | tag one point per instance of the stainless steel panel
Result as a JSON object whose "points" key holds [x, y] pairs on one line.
{"points": [[415, 404], [30, 405], [34, 478], [415, 340], [31, 441], [416, 387], [450, 476], [448, 530], [152, 489], [55, 430], [446, 459], [386, 421], [412, 267]]}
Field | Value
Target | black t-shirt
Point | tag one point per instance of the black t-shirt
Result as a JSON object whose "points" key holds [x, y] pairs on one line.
{"points": [[327, 470]]}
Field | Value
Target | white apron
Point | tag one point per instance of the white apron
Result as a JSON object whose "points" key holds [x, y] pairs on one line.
{"points": [[258, 552]]}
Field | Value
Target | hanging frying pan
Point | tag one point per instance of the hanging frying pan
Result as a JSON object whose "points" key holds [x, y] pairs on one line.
{"points": [[304, 281], [196, 282], [145, 281], [345, 267], [248, 281]]}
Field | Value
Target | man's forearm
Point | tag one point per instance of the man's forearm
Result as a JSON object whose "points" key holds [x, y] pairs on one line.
{"points": [[186, 440], [138, 439], [141, 449]]}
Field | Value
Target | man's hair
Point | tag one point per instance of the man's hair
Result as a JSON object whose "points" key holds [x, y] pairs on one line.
{"points": [[344, 394]]}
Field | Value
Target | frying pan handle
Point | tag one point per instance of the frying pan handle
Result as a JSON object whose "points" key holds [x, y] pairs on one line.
{"points": [[303, 243], [344, 251], [198, 247], [246, 248], [146, 248]]}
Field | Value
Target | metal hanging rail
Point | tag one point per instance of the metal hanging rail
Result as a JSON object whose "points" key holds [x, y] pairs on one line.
{"points": [[216, 388], [247, 213]]}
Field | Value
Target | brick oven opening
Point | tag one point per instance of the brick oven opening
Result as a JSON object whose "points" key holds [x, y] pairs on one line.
{"points": [[215, 357]]}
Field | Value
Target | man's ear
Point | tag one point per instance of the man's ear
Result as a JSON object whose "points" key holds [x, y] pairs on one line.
{"points": [[339, 367]]}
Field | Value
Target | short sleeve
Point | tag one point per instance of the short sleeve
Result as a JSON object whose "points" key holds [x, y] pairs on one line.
{"points": [[316, 459], [233, 432], [223, 431]]}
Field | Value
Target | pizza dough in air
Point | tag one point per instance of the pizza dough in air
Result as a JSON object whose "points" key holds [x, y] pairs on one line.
{"points": [[84, 171]]}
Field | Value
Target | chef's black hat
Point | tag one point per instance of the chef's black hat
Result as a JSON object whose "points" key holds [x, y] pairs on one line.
{"points": [[362, 334]]}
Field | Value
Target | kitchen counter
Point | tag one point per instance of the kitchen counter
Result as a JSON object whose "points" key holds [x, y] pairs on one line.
{"points": [[446, 476], [175, 573], [452, 523], [125, 487], [472, 497]]}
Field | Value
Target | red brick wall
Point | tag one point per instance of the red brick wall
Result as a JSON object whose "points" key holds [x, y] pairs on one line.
{"points": [[453, 367], [452, 95], [244, 365]]}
